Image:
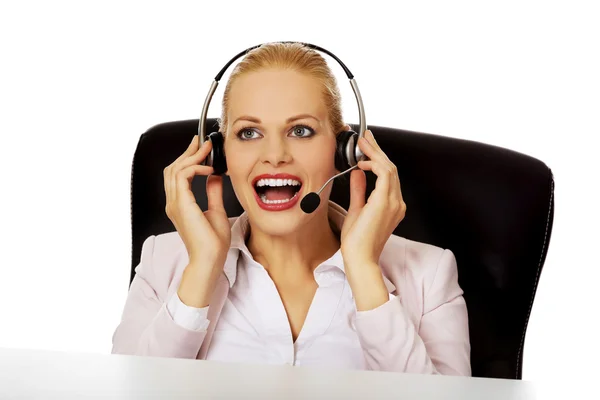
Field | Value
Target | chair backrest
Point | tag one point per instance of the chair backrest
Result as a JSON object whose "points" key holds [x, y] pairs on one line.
{"points": [[491, 206]]}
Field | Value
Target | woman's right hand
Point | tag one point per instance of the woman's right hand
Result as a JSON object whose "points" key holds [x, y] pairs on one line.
{"points": [[206, 235]]}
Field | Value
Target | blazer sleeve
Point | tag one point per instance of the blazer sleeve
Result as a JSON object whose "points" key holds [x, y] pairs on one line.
{"points": [[440, 345], [147, 328]]}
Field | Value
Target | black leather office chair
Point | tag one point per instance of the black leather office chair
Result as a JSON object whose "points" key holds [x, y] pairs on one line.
{"points": [[491, 206]]}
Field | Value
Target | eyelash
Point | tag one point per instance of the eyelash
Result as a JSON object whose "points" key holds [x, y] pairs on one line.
{"points": [[245, 128]]}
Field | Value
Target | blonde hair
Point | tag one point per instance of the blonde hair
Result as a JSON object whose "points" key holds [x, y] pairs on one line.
{"points": [[297, 57]]}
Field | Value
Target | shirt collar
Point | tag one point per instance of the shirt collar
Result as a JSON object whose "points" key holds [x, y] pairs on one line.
{"points": [[239, 235]]}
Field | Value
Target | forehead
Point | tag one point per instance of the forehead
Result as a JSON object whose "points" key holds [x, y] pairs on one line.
{"points": [[276, 93]]}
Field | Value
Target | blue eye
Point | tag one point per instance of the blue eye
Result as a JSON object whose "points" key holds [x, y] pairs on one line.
{"points": [[246, 134], [303, 131], [299, 131]]}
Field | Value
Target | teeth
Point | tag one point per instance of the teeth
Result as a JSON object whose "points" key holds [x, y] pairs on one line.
{"points": [[277, 182], [263, 198]]}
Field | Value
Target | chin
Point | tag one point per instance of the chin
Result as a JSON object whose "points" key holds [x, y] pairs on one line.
{"points": [[281, 223]]}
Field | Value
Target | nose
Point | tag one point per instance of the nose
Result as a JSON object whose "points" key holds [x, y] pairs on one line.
{"points": [[275, 151]]}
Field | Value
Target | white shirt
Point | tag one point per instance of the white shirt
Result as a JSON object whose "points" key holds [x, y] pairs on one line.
{"points": [[253, 326]]}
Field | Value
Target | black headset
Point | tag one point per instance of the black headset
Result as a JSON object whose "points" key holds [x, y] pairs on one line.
{"points": [[347, 154]]}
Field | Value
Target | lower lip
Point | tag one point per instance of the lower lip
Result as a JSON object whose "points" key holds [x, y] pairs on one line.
{"points": [[280, 206]]}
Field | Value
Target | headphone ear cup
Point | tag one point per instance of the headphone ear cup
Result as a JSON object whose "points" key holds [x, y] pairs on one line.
{"points": [[346, 143], [219, 163]]}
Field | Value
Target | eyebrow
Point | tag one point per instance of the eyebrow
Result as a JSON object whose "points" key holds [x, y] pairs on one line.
{"points": [[291, 119]]}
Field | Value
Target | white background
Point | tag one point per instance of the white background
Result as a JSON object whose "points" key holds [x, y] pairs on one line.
{"points": [[81, 81]]}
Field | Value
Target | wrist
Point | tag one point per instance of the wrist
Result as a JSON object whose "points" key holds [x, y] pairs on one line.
{"points": [[362, 266], [197, 285], [367, 285]]}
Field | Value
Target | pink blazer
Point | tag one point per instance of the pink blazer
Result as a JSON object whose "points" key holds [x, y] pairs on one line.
{"points": [[426, 330]]}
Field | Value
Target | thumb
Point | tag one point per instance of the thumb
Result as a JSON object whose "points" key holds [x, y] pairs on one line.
{"points": [[214, 192], [358, 188]]}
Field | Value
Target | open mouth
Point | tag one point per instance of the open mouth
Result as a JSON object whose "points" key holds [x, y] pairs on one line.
{"points": [[277, 191]]}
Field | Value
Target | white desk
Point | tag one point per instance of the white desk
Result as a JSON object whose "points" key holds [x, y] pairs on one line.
{"points": [[40, 374]]}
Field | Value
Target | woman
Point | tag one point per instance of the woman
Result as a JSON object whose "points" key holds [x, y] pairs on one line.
{"points": [[276, 285]]}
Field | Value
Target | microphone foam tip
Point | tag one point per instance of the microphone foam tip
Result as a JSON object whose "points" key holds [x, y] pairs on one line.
{"points": [[310, 202]]}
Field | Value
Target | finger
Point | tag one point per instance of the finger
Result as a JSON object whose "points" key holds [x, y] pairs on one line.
{"points": [[214, 192], [358, 189], [166, 184], [370, 138], [384, 176], [196, 157], [193, 159], [183, 181], [374, 153], [169, 173], [172, 182], [389, 168], [387, 181]]}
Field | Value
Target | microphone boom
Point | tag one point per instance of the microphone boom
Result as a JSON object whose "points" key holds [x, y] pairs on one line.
{"points": [[311, 201]]}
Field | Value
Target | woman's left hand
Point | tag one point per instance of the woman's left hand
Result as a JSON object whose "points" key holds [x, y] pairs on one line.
{"points": [[368, 226]]}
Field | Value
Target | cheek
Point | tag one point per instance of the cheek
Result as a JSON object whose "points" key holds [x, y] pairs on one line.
{"points": [[320, 162], [238, 173], [239, 164]]}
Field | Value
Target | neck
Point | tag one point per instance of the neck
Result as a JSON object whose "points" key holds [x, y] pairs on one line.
{"points": [[296, 255]]}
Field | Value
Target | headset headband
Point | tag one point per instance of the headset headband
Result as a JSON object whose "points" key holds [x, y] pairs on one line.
{"points": [[213, 87]]}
